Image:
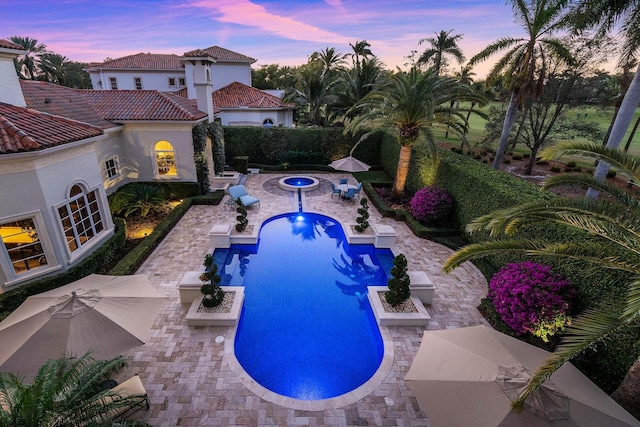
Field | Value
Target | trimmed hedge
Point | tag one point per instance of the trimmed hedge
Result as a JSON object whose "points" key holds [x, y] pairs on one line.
{"points": [[275, 146], [12, 299]]}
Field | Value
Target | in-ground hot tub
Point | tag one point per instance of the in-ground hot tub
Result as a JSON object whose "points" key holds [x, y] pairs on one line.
{"points": [[302, 183]]}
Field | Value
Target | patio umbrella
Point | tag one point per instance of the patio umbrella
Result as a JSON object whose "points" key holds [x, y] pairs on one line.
{"points": [[106, 314], [470, 376], [349, 164]]}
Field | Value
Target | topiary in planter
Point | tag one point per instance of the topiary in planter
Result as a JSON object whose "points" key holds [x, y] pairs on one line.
{"points": [[399, 282], [241, 218], [213, 293], [531, 298], [363, 219], [431, 205]]}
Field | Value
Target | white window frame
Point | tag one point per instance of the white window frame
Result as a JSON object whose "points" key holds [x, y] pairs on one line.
{"points": [[154, 158], [172, 79], [182, 82], [111, 172], [137, 81], [98, 236], [5, 260], [265, 124], [113, 83]]}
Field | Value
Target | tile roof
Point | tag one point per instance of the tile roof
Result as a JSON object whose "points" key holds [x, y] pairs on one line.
{"points": [[222, 54], [22, 129], [237, 95], [9, 45], [146, 105], [62, 101], [148, 61]]}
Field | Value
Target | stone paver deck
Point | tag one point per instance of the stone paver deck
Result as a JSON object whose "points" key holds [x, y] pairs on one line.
{"points": [[192, 382]]}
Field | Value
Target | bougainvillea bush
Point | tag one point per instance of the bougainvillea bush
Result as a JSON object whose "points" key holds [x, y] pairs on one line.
{"points": [[531, 298], [431, 205]]}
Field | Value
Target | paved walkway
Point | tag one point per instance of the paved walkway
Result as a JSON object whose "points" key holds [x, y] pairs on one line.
{"points": [[191, 381]]}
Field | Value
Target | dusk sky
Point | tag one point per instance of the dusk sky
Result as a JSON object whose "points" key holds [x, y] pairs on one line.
{"points": [[272, 31]]}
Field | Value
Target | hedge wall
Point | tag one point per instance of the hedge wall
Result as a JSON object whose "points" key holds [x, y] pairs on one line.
{"points": [[276, 145]]}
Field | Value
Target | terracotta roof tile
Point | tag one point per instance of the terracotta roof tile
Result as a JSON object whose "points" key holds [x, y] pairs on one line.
{"points": [[147, 61], [223, 54], [198, 53], [61, 101], [126, 105], [237, 95], [10, 45], [22, 129]]}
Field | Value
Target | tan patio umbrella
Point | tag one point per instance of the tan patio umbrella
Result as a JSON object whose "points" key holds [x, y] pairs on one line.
{"points": [[106, 314], [349, 164], [470, 376]]}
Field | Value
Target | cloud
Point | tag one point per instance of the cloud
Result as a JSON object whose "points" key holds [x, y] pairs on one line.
{"points": [[246, 13]]}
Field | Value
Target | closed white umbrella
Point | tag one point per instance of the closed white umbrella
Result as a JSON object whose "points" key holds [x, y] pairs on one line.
{"points": [[470, 377], [106, 314]]}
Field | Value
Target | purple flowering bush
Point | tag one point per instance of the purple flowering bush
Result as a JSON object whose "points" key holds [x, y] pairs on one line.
{"points": [[531, 298], [431, 205]]}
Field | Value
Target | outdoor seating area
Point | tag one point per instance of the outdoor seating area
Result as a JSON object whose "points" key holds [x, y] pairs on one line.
{"points": [[345, 190]]}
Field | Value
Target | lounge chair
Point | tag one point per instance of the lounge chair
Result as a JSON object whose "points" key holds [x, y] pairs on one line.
{"points": [[131, 387], [334, 190], [240, 192]]}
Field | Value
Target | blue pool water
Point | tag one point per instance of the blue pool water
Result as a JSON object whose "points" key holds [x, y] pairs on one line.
{"points": [[299, 181], [306, 329]]}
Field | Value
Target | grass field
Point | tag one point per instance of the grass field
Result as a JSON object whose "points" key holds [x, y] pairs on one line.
{"points": [[602, 116]]}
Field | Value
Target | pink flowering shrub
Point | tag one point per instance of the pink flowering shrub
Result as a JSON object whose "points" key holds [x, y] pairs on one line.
{"points": [[431, 205], [531, 298]]}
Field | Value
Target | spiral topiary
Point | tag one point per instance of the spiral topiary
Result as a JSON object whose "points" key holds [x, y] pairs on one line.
{"points": [[213, 293], [399, 282]]}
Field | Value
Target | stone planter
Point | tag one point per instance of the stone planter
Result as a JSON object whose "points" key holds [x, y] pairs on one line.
{"points": [[197, 318], [421, 286], [419, 318], [355, 238], [248, 237], [226, 179], [224, 235], [381, 236], [189, 286]]}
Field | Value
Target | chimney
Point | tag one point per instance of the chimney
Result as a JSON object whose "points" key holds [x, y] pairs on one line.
{"points": [[10, 90], [197, 67]]}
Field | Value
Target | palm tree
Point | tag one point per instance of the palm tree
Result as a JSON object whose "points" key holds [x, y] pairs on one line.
{"points": [[523, 65], [53, 68], [439, 47], [356, 83], [614, 222], [313, 90], [331, 59], [605, 14], [407, 105], [360, 49], [28, 63], [66, 391]]}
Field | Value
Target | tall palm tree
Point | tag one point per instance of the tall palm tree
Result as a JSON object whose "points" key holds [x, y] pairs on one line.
{"points": [[524, 63], [605, 14], [53, 68], [407, 105], [313, 91], [360, 49], [439, 47], [28, 63], [331, 58], [64, 392], [356, 83], [614, 222]]}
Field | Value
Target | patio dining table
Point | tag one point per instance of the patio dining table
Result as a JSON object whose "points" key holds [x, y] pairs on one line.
{"points": [[344, 188]]}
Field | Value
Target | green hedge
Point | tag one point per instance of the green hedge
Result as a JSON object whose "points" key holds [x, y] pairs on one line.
{"points": [[276, 145], [134, 259], [10, 300]]}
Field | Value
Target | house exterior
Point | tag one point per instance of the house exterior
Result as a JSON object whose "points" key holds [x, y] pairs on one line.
{"points": [[235, 101], [62, 151]]}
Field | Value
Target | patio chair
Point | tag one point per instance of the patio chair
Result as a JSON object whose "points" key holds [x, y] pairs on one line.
{"points": [[240, 192], [358, 189], [342, 181], [350, 194], [334, 190]]}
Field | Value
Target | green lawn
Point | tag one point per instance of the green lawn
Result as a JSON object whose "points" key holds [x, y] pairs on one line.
{"points": [[602, 116]]}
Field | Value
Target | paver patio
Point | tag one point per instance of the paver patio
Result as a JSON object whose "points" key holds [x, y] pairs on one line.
{"points": [[192, 382]]}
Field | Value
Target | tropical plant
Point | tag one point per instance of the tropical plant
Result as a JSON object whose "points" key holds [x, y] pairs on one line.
{"points": [[363, 219], [431, 205], [355, 83], [407, 105], [27, 64], [399, 282], [213, 293], [331, 58], [137, 197], [523, 67], [241, 218], [440, 47], [64, 392], [313, 91], [53, 68], [614, 225], [360, 50], [531, 298], [605, 15]]}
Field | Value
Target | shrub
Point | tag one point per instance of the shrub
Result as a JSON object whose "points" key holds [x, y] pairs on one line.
{"points": [[571, 164], [363, 219], [531, 298], [138, 197], [555, 169], [431, 205], [241, 218], [517, 156], [399, 282], [213, 293], [611, 173]]}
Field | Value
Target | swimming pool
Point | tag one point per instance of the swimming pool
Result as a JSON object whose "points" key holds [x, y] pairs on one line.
{"points": [[306, 330]]}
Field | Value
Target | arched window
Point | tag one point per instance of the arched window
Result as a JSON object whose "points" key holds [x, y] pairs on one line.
{"points": [[81, 217], [165, 158], [267, 123]]}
